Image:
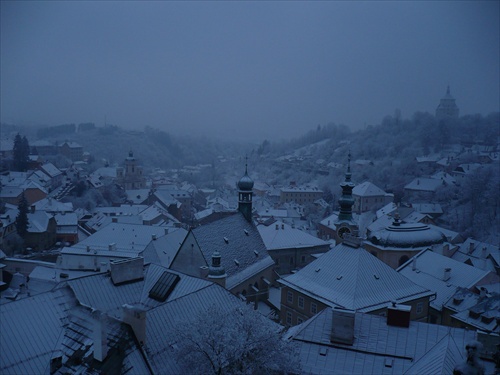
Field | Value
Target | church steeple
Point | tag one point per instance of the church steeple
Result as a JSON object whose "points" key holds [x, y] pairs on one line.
{"points": [[345, 223], [346, 200], [245, 186]]}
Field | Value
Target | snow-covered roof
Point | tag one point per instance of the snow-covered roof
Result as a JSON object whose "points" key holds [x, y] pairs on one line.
{"points": [[446, 177], [379, 348], [109, 172], [428, 208], [429, 273], [163, 250], [39, 329], [137, 196], [405, 235], [53, 205], [477, 309], [480, 254], [38, 221], [282, 236], [124, 209], [126, 237], [424, 184], [354, 279], [66, 219], [301, 189], [51, 170], [99, 292], [367, 189], [238, 242], [31, 331]]}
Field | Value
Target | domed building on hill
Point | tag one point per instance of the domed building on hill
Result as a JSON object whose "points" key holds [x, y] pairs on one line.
{"points": [[400, 241]]}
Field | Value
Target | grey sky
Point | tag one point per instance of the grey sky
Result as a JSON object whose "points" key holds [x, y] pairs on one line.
{"points": [[263, 69]]}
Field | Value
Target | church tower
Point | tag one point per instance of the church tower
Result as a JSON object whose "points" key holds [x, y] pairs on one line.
{"points": [[345, 224], [245, 186], [447, 107]]}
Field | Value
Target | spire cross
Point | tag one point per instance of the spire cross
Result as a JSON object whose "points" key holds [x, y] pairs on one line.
{"points": [[246, 164]]}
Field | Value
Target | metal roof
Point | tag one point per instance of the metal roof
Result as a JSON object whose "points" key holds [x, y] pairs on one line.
{"points": [[353, 278], [282, 236], [235, 238], [429, 273], [378, 348]]}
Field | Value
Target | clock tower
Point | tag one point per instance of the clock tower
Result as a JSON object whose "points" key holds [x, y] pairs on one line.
{"points": [[345, 224]]}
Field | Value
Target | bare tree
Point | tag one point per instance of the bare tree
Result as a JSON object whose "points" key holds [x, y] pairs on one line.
{"points": [[234, 341]]}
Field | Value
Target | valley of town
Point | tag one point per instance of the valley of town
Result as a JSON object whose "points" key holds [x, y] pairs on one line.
{"points": [[359, 253]]}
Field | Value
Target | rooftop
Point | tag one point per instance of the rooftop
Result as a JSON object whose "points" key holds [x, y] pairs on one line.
{"points": [[354, 279]]}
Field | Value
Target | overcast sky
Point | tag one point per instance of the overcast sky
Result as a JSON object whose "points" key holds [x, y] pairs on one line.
{"points": [[256, 69]]}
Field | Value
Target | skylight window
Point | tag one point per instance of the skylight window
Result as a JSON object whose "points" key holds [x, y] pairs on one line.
{"points": [[164, 286]]}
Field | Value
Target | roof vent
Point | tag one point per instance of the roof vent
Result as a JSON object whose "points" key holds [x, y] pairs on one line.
{"points": [[376, 277], [236, 262], [246, 232], [447, 274], [256, 253], [226, 240], [339, 277]]}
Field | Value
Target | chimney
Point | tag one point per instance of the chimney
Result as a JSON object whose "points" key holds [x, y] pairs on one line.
{"points": [[342, 326], [484, 252], [112, 246], [99, 336], [282, 226], [136, 318], [204, 272], [398, 315], [114, 220], [127, 270], [447, 274], [153, 237], [471, 247], [277, 226], [414, 264], [33, 208]]}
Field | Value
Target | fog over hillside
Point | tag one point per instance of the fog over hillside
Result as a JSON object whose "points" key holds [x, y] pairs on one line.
{"points": [[244, 70]]}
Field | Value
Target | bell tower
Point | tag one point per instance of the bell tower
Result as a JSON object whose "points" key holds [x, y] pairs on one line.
{"points": [[245, 186], [345, 224]]}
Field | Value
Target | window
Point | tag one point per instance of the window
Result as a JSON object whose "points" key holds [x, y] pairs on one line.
{"points": [[289, 297], [314, 308], [303, 258], [300, 320], [420, 308], [301, 302], [289, 318], [291, 260]]}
